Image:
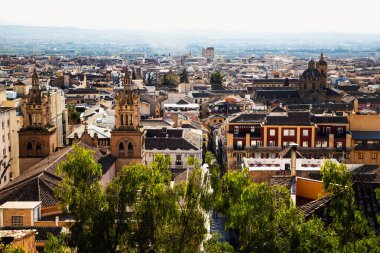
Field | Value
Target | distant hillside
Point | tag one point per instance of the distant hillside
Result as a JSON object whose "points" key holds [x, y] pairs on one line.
{"points": [[24, 39]]}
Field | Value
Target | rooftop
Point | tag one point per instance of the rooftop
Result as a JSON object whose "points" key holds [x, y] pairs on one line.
{"points": [[20, 205]]}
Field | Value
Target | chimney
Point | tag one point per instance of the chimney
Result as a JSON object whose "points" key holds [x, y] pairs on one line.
{"points": [[293, 166]]}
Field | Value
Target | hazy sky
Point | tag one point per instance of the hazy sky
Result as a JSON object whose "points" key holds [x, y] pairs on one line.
{"points": [[239, 15]]}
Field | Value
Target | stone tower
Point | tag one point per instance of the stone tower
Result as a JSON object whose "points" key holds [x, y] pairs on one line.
{"points": [[127, 139], [322, 68], [37, 137]]}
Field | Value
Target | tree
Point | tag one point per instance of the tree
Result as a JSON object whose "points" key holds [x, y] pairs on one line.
{"points": [[214, 246], [216, 77], [170, 79], [184, 76], [138, 211], [56, 244], [352, 229], [74, 115], [10, 249]]}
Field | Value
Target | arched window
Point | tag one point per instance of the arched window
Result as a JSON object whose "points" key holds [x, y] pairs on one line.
{"points": [[30, 119], [121, 149], [130, 147], [121, 120], [29, 148], [38, 147]]}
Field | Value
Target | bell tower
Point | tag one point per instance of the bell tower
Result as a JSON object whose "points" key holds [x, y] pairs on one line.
{"points": [[323, 68], [37, 137], [127, 138]]}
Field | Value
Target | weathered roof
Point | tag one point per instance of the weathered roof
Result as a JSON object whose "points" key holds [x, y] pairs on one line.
{"points": [[365, 135], [39, 181], [293, 118], [248, 118], [330, 119]]}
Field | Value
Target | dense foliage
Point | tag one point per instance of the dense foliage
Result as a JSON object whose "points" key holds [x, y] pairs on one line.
{"points": [[74, 115], [142, 211], [216, 77], [138, 211], [170, 79], [184, 76]]}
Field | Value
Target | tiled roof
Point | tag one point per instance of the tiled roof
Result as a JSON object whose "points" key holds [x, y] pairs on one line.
{"points": [[39, 181], [365, 135], [293, 118], [330, 119], [248, 118], [316, 206], [42, 232]]}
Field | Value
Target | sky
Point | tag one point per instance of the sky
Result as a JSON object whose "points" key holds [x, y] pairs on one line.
{"points": [[291, 16]]}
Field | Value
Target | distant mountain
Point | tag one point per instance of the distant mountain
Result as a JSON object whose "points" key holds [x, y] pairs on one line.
{"points": [[226, 42]]}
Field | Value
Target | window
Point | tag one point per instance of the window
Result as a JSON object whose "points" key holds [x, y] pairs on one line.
{"points": [[17, 221], [239, 145], [339, 145], [292, 132], [130, 147], [305, 144], [238, 158], [286, 132], [252, 129], [236, 130], [4, 151], [285, 144], [272, 143], [305, 132], [121, 148], [374, 155], [255, 143], [340, 130], [8, 122], [360, 155], [178, 160], [318, 144], [272, 132], [3, 138], [324, 144], [328, 130]]}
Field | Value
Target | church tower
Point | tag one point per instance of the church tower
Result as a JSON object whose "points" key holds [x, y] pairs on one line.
{"points": [[127, 139], [37, 137], [322, 68]]}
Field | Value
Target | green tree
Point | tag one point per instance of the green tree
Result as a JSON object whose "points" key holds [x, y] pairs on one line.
{"points": [[184, 76], [74, 115], [56, 244], [10, 249], [352, 229], [137, 212], [214, 246], [170, 79], [216, 77]]}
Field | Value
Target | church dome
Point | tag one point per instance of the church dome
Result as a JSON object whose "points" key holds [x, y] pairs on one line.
{"points": [[311, 72]]}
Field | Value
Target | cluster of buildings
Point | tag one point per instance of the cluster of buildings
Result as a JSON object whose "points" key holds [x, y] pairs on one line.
{"points": [[120, 108]]}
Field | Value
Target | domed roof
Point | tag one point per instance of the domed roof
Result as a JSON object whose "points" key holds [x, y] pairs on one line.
{"points": [[311, 74], [322, 61]]}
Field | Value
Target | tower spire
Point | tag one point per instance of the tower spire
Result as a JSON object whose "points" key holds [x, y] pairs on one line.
{"points": [[128, 88], [35, 92]]}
